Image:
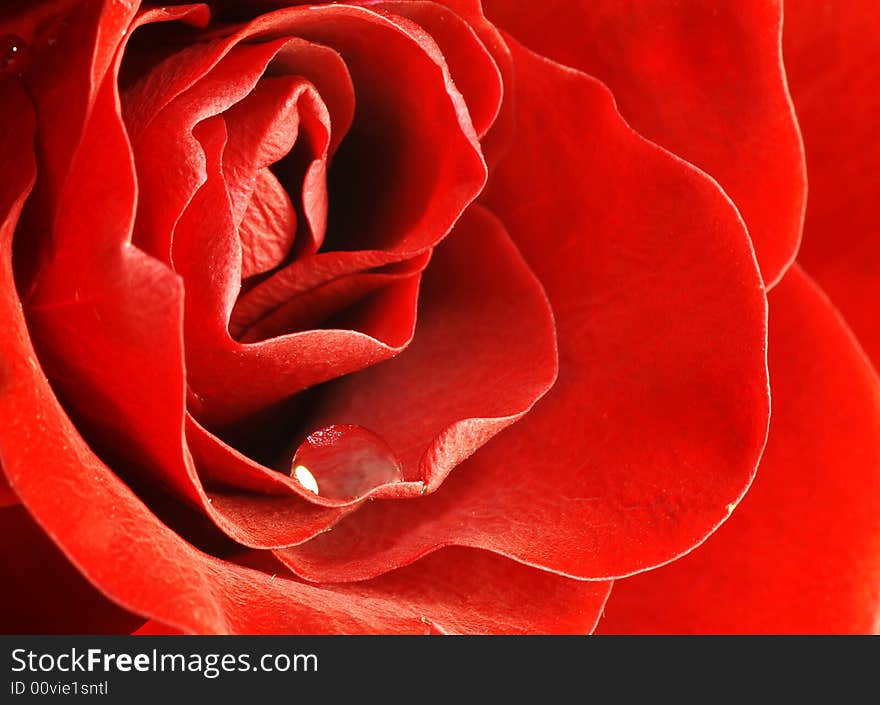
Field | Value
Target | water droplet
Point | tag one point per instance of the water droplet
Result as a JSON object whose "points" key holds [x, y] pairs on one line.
{"points": [[344, 461], [12, 52], [306, 479]]}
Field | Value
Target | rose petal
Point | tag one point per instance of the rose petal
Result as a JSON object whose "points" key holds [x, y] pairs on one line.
{"points": [[76, 50], [425, 168], [138, 562], [497, 139], [484, 352], [471, 65], [277, 306], [801, 554], [660, 412], [268, 227], [465, 323], [168, 138], [705, 80], [101, 355], [43, 593], [326, 69], [230, 380], [287, 112], [124, 551], [97, 315], [831, 58], [263, 128]]}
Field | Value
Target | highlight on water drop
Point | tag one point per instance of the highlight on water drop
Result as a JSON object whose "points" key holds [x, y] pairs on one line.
{"points": [[345, 461]]}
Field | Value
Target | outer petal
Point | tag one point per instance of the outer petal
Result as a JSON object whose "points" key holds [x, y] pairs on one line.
{"points": [[498, 139], [660, 412], [42, 593], [831, 58], [703, 79], [462, 591], [71, 53], [802, 552]]}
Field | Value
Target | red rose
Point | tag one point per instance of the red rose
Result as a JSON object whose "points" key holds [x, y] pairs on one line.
{"points": [[419, 316]]}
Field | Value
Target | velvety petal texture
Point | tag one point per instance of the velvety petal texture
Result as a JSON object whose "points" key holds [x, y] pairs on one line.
{"points": [[113, 529], [424, 177], [654, 428], [438, 317], [435, 404], [43, 593], [831, 58], [801, 554], [124, 389], [92, 290], [122, 548], [704, 80]]}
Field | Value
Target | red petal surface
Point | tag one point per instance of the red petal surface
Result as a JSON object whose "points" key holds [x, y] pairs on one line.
{"points": [[831, 58], [467, 63], [122, 549], [117, 300], [138, 562], [125, 551], [263, 128], [660, 412], [462, 591], [71, 54], [801, 554], [108, 319], [498, 139], [278, 305], [484, 352], [169, 138], [268, 227], [470, 64], [705, 80], [42, 592], [411, 127], [429, 174], [228, 379], [440, 385]]}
